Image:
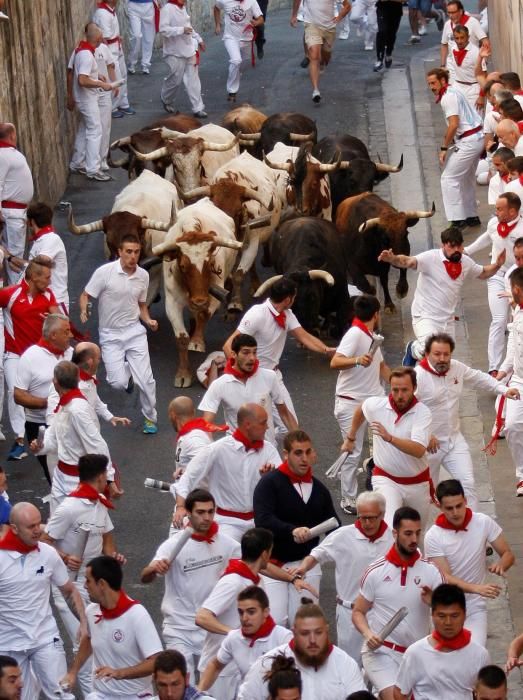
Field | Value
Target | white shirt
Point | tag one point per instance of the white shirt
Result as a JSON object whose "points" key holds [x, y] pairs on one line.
{"points": [[496, 186], [352, 553], [491, 120], [104, 58], [35, 375], [90, 391], [359, 382], [320, 13], [118, 294], [192, 576], [108, 23], [437, 294], [16, 181], [262, 388], [244, 651], [441, 394], [26, 618], [453, 103], [429, 674], [476, 33], [414, 425], [515, 186], [173, 20], [338, 677], [259, 322], [231, 470], [188, 446], [464, 551], [51, 245], [492, 237], [518, 150], [466, 73], [384, 585], [122, 642], [238, 16], [514, 357], [84, 63]]}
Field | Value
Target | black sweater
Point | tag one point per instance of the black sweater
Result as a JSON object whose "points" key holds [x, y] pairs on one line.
{"points": [[280, 508]]}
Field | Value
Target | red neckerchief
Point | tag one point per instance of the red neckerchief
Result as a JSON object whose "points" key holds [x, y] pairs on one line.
{"points": [[359, 324], [264, 631], [505, 178], [462, 639], [42, 343], [207, 536], [425, 364], [453, 269], [201, 424], [105, 6], [520, 178], [41, 232], [176, 2], [5, 144], [399, 412], [381, 530], [520, 127], [294, 478], [122, 606], [231, 369], [248, 444], [84, 46], [459, 55], [68, 397], [237, 566], [89, 492], [463, 21], [280, 318], [441, 521], [504, 229], [441, 93], [404, 564], [86, 377], [13, 543]]}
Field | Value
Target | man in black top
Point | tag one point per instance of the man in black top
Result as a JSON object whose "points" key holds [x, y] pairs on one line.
{"points": [[289, 501]]}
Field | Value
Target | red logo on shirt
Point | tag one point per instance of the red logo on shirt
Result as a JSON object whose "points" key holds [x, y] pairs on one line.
{"points": [[237, 14], [118, 636], [456, 380]]}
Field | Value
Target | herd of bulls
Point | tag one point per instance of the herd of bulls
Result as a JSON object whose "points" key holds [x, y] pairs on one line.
{"points": [[202, 209]]}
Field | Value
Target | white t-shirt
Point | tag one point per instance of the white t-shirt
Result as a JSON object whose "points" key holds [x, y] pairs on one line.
{"points": [[188, 446], [238, 16], [476, 33], [414, 425], [359, 382], [498, 243], [320, 12], [244, 651], [259, 322], [16, 181], [26, 618], [496, 186], [466, 72], [454, 103], [84, 63], [173, 21], [122, 642], [491, 120], [51, 244], [89, 390], [118, 294], [464, 551], [108, 23], [515, 186], [437, 294], [104, 58]]}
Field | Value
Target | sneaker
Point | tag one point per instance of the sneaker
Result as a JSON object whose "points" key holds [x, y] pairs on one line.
{"points": [[104, 167], [231, 97], [117, 114], [440, 21], [343, 35], [408, 358], [145, 71], [473, 221], [100, 176], [368, 468], [3, 17], [348, 505], [414, 39], [169, 108], [305, 62], [388, 61], [460, 223], [130, 385], [131, 69], [369, 47], [149, 428], [378, 66], [82, 171], [316, 97], [18, 452], [127, 110], [422, 30], [2, 436], [519, 487], [200, 115]]}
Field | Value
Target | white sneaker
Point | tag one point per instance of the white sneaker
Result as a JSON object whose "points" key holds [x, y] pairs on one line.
{"points": [[369, 47], [422, 30], [343, 35], [348, 505], [316, 97], [3, 18], [104, 166], [414, 39], [100, 176], [131, 69], [2, 436]]}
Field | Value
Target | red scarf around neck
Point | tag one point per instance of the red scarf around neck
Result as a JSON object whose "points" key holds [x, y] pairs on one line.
{"points": [[381, 530], [404, 564], [504, 228], [177, 3], [84, 46], [13, 543], [237, 566], [442, 91], [441, 521], [231, 369], [295, 478], [453, 269], [520, 178], [505, 178], [105, 6], [207, 536], [87, 491], [459, 55], [278, 316], [86, 377], [5, 144], [426, 366], [122, 606], [248, 444], [462, 639], [399, 413], [41, 232], [264, 631], [42, 343], [68, 397], [462, 22], [359, 324], [201, 424]]}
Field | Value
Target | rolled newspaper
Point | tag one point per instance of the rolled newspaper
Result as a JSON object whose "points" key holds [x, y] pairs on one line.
{"points": [[394, 621], [157, 484], [335, 468], [79, 549], [181, 542], [322, 528], [377, 342]]}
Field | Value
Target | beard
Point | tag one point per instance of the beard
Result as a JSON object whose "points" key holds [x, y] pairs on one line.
{"points": [[312, 661], [403, 550], [442, 367], [455, 257]]}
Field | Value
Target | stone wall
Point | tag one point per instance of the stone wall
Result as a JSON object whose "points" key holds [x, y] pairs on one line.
{"points": [[506, 32]]}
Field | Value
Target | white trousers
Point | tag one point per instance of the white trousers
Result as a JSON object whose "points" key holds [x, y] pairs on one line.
{"points": [[360, 8], [343, 412], [120, 69], [13, 237], [454, 455], [458, 182], [284, 598], [187, 642], [16, 412], [349, 639], [476, 623], [238, 51], [43, 666], [425, 327], [86, 152], [97, 695], [382, 666], [500, 311], [105, 106], [280, 429], [125, 352], [469, 92], [142, 31], [514, 430], [397, 495], [182, 70]]}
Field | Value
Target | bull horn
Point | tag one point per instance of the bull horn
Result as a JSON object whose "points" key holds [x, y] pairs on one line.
{"points": [[415, 214], [260, 222], [204, 191], [218, 292], [156, 225], [152, 261], [116, 163], [344, 164], [301, 137], [214, 146], [228, 242], [322, 275], [387, 168], [368, 224], [331, 167], [164, 247], [252, 194], [125, 141], [169, 133], [277, 166], [255, 136], [264, 286], [84, 228], [153, 155]]}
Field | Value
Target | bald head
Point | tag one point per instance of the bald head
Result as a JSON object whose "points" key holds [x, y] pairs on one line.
{"points": [[253, 421], [250, 411], [25, 520], [508, 133], [8, 132], [86, 356], [93, 34], [181, 409], [23, 512]]}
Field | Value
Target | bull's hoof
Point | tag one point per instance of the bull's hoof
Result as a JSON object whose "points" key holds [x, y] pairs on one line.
{"points": [[402, 291], [390, 308], [196, 345], [183, 379]]}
